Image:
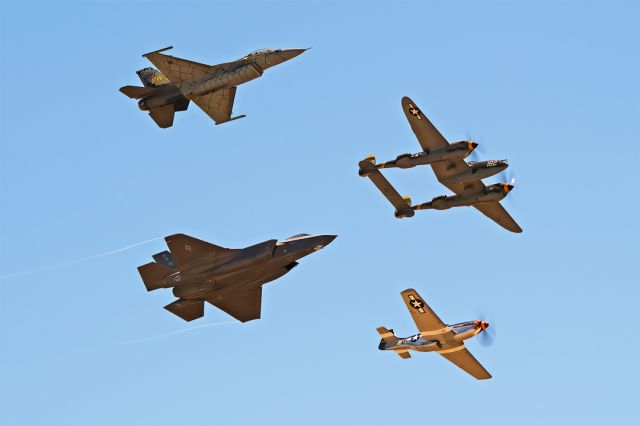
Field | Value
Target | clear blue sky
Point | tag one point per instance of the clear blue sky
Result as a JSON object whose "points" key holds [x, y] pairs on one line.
{"points": [[550, 85]]}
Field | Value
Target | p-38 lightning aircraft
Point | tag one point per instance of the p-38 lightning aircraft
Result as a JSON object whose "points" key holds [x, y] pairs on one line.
{"points": [[211, 87], [436, 336], [230, 279], [447, 162]]}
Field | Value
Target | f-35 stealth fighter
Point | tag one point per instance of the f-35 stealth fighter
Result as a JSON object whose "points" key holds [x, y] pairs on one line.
{"points": [[211, 87], [448, 164], [436, 336], [230, 279]]}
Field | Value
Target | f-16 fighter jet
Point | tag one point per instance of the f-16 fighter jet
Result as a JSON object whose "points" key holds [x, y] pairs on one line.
{"points": [[211, 87], [447, 162], [230, 279], [436, 336]]}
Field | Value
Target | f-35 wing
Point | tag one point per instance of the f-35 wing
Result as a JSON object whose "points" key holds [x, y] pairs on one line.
{"points": [[427, 134], [179, 70], [218, 105], [244, 305], [185, 249], [426, 320], [461, 357]]}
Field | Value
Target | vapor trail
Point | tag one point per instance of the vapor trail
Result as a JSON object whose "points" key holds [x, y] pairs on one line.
{"points": [[161, 336], [76, 261]]}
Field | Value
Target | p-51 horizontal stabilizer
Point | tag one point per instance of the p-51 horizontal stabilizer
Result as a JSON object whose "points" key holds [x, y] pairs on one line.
{"points": [[188, 310], [152, 275], [404, 354]]}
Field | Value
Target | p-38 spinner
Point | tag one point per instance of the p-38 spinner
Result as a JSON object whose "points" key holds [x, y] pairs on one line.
{"points": [[447, 162], [436, 336]]}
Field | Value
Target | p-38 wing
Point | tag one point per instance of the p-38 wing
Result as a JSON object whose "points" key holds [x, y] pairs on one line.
{"points": [[431, 139], [429, 324]]}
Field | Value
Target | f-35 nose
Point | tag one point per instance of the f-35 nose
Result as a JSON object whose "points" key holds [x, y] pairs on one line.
{"points": [[328, 239]]}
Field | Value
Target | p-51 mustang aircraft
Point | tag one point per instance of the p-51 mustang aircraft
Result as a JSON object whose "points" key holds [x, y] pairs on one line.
{"points": [[447, 162], [436, 336], [211, 87]]}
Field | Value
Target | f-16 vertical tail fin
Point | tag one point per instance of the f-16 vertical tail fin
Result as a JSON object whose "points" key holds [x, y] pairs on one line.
{"points": [[152, 275], [151, 77]]}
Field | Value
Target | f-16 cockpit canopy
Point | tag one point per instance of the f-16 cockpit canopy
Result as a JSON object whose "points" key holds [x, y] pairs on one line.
{"points": [[259, 51]]}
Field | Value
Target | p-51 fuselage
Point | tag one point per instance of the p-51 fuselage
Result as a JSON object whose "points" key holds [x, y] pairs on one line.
{"points": [[420, 343]]}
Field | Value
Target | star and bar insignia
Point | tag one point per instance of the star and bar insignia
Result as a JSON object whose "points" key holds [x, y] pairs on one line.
{"points": [[416, 304], [415, 111]]}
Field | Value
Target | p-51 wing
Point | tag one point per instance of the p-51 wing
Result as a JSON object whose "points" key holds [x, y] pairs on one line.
{"points": [[461, 357], [426, 320]]}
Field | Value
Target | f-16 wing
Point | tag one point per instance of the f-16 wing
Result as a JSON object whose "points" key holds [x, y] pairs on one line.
{"points": [[461, 357], [218, 105], [244, 305], [427, 134], [179, 70], [426, 320]]}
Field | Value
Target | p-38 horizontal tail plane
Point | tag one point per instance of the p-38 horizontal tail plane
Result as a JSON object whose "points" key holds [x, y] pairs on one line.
{"points": [[451, 170], [211, 87], [436, 336]]}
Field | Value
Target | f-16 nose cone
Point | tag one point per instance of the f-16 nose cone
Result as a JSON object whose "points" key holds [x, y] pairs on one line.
{"points": [[287, 54]]}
